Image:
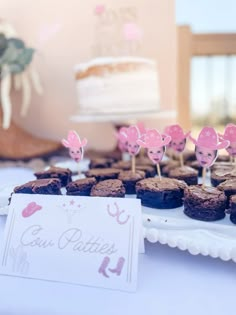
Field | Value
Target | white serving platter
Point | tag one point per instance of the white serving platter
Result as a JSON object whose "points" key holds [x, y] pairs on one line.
{"points": [[172, 227]]}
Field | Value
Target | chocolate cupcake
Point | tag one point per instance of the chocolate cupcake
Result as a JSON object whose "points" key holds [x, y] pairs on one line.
{"points": [[108, 188], [204, 203], [165, 193], [64, 174], [46, 186], [232, 209], [229, 188], [219, 175], [103, 173], [81, 187], [185, 173], [129, 179]]}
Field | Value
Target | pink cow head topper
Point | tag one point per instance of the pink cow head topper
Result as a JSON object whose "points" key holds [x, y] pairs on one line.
{"points": [[122, 139], [207, 146], [178, 137], [132, 135], [75, 145], [230, 135], [155, 144]]}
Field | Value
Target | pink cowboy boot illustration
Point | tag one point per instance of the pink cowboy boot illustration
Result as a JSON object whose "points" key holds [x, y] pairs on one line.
{"points": [[102, 268], [119, 266]]}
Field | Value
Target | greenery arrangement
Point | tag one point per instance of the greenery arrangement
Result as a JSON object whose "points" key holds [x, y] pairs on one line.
{"points": [[14, 56], [16, 71]]}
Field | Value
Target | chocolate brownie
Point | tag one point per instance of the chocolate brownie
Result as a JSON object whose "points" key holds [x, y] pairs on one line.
{"points": [[64, 174], [100, 163], [185, 173], [232, 209], [223, 158], [143, 160], [196, 166], [219, 175], [46, 186], [187, 155], [228, 187], [165, 193], [149, 170], [129, 179], [103, 173], [169, 166], [122, 165], [204, 203], [81, 187], [108, 188], [115, 155], [221, 165]]}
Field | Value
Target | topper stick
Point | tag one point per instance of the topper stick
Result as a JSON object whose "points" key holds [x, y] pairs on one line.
{"points": [[133, 164], [181, 159], [204, 177], [159, 170], [142, 153]]}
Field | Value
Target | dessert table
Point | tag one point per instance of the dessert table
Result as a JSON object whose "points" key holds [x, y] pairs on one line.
{"points": [[170, 281]]}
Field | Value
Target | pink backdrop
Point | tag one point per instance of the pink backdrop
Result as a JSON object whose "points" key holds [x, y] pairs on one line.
{"points": [[63, 31]]}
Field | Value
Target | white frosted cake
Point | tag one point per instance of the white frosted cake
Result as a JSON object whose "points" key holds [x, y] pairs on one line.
{"points": [[119, 85]]}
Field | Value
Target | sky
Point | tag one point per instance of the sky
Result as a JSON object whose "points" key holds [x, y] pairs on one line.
{"points": [[207, 15], [212, 78]]}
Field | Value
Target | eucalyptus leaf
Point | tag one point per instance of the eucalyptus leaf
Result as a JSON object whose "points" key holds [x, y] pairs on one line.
{"points": [[18, 43], [10, 55], [3, 44], [25, 56]]}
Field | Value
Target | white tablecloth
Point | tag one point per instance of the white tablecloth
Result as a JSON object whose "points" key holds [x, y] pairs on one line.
{"points": [[170, 282]]}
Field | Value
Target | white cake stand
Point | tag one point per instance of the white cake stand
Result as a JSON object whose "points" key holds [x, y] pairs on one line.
{"points": [[121, 117]]}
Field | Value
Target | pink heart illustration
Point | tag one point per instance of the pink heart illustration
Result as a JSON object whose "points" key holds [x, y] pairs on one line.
{"points": [[30, 209], [99, 9]]}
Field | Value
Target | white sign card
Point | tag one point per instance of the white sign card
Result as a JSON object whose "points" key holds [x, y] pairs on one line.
{"points": [[81, 240]]}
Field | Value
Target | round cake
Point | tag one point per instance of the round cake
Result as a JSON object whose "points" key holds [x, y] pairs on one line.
{"points": [[117, 85]]}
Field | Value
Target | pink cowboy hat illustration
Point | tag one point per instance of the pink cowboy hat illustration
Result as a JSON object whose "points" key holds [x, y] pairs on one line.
{"points": [[229, 133], [141, 128], [208, 138], [176, 132], [121, 134], [132, 134], [153, 139], [73, 140]]}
